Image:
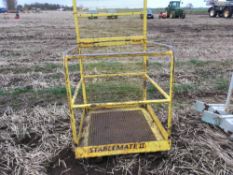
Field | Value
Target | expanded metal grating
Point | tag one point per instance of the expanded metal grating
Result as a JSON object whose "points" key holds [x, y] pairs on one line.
{"points": [[119, 127]]}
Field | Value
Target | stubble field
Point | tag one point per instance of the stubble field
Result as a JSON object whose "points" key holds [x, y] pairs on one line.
{"points": [[35, 136]]}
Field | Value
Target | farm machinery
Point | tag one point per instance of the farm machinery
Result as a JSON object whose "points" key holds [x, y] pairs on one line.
{"points": [[116, 107], [221, 8], [150, 14], [173, 11]]}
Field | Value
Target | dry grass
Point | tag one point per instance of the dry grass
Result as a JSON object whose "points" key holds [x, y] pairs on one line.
{"points": [[31, 57], [197, 149], [29, 140]]}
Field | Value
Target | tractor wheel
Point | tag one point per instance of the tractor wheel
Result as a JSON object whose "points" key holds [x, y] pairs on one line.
{"points": [[212, 13], [227, 13]]}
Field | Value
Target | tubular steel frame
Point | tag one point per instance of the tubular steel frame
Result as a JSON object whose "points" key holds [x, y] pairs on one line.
{"points": [[152, 146]]}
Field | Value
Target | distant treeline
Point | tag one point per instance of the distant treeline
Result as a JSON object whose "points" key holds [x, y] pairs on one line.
{"points": [[43, 6], [47, 6]]}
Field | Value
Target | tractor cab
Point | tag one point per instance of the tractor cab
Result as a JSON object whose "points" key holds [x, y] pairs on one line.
{"points": [[174, 5], [174, 10]]}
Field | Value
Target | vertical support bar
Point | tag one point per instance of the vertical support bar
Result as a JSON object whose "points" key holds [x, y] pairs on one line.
{"points": [[83, 80], [69, 97], [75, 12], [145, 19], [170, 105], [145, 58], [145, 70], [81, 125]]}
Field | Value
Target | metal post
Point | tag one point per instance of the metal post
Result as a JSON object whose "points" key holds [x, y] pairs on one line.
{"points": [[145, 19], [170, 105], [83, 81], [75, 12], [69, 97], [145, 49]]}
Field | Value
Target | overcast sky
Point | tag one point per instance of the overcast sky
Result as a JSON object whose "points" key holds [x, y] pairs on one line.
{"points": [[114, 3]]}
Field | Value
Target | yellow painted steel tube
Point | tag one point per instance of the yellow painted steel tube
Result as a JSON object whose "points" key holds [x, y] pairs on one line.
{"points": [[145, 58], [83, 81], [81, 126], [69, 96], [170, 106], [157, 121], [145, 48], [158, 87], [110, 43], [75, 11], [145, 82], [147, 147], [76, 91], [105, 105], [122, 38], [145, 18], [76, 23], [109, 14], [119, 55]]}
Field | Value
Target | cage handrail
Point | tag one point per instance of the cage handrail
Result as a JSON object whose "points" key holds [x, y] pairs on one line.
{"points": [[156, 85], [107, 39], [77, 16], [170, 51], [105, 105], [76, 91], [119, 55]]}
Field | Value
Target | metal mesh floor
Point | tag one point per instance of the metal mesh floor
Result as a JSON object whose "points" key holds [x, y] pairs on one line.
{"points": [[119, 127]]}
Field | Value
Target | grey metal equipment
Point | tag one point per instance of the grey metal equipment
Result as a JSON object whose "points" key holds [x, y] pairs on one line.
{"points": [[218, 114]]}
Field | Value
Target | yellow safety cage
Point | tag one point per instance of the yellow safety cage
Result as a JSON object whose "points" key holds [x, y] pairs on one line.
{"points": [[119, 127]]}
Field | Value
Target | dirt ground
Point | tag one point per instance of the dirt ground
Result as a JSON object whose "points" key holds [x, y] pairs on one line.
{"points": [[34, 124]]}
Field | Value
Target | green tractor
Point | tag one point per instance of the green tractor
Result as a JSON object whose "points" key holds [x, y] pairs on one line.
{"points": [[173, 11]]}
